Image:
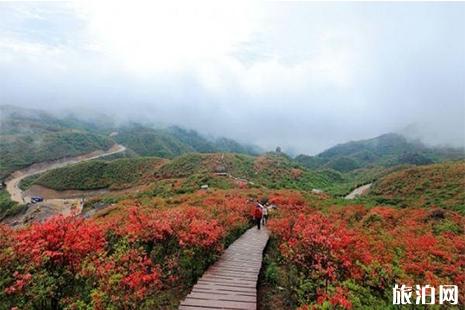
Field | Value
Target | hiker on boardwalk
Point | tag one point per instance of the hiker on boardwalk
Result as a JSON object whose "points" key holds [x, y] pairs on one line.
{"points": [[265, 214], [258, 214]]}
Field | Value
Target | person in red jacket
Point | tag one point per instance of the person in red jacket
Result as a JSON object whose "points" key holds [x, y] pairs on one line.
{"points": [[258, 213]]}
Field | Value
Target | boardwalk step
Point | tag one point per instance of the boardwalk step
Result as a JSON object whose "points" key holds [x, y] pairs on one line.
{"points": [[209, 303], [231, 283]]}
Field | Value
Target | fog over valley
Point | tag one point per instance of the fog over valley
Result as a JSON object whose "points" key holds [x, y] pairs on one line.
{"points": [[304, 76], [232, 154]]}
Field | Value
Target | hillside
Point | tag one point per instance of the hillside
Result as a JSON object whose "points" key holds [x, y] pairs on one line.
{"points": [[192, 170], [97, 174], [29, 136], [386, 150], [438, 185], [174, 141], [145, 141]]}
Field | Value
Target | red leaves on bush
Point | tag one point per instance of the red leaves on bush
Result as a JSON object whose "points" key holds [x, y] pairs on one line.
{"points": [[315, 245], [375, 247], [338, 298], [288, 200], [21, 281], [65, 241], [201, 233], [127, 277], [144, 227], [120, 260]]}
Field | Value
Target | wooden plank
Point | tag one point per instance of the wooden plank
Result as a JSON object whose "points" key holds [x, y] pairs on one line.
{"points": [[181, 307], [225, 275], [238, 284], [221, 288], [240, 276], [219, 304], [231, 283], [230, 269], [224, 292], [224, 297]]}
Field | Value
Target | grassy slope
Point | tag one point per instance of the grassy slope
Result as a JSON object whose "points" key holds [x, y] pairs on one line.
{"points": [[116, 174], [441, 185], [8, 207], [387, 150], [189, 171], [174, 141], [23, 150], [270, 170], [350, 180], [29, 136], [152, 142]]}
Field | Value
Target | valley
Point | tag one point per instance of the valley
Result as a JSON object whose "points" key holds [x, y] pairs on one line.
{"points": [[48, 207], [142, 222], [13, 181], [239, 155]]}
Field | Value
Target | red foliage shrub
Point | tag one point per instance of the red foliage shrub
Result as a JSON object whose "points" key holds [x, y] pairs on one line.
{"points": [[63, 241], [325, 251], [126, 278], [374, 247], [201, 233], [123, 260]]}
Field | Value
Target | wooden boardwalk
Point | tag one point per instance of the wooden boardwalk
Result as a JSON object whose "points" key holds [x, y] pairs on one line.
{"points": [[231, 283]]}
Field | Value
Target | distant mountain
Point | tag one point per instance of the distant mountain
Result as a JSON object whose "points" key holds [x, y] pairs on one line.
{"points": [[28, 136], [386, 150], [175, 141]]}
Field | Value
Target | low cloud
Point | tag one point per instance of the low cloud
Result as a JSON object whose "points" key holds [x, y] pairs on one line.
{"points": [[304, 76]]}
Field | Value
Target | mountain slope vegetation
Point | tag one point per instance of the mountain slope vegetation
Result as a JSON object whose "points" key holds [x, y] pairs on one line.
{"points": [[174, 141], [145, 248], [29, 136], [270, 170], [386, 150], [98, 174], [438, 185]]}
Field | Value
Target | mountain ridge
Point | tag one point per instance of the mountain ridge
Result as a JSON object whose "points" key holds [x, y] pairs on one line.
{"points": [[29, 136], [385, 150]]}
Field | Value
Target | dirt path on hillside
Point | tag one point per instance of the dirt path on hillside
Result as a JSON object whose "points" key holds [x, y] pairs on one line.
{"points": [[56, 205], [13, 181], [48, 193], [359, 191]]}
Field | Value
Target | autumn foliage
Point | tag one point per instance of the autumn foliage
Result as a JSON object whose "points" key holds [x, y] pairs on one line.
{"points": [[126, 260], [140, 253], [351, 256]]}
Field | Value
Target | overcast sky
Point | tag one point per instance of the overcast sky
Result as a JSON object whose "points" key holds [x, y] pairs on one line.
{"points": [[304, 75]]}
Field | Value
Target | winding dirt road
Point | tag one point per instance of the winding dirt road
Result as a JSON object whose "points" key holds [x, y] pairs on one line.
{"points": [[13, 181], [49, 207]]}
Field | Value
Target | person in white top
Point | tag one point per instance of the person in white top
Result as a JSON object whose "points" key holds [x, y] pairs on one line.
{"points": [[265, 214]]}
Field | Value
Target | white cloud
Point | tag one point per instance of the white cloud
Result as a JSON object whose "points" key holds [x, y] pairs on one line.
{"points": [[153, 36], [302, 74]]}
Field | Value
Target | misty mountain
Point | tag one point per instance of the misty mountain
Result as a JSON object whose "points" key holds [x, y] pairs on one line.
{"points": [[28, 136], [386, 150], [174, 141]]}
